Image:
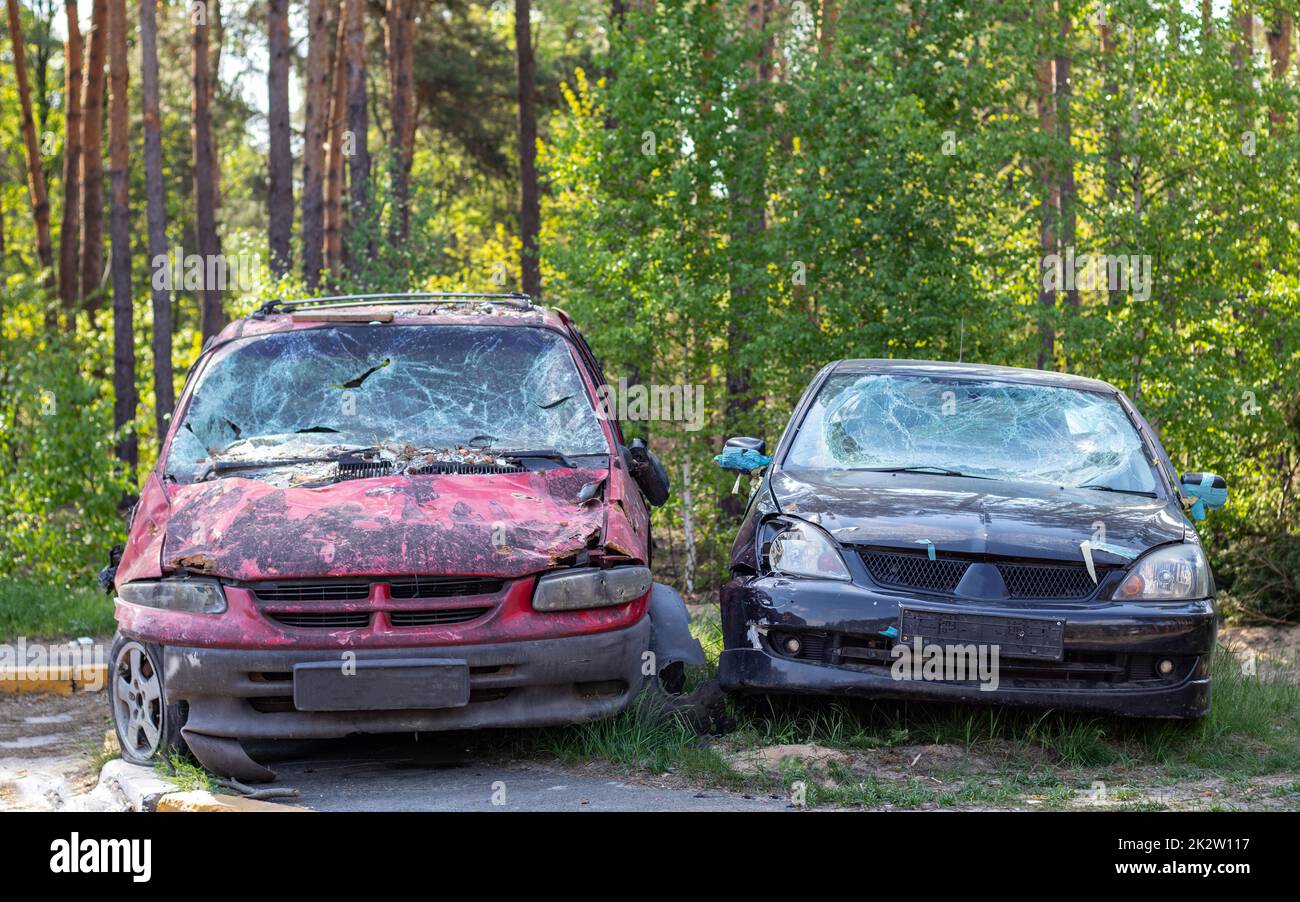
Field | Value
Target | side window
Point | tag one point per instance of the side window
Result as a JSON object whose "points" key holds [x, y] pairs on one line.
{"points": [[598, 376]]}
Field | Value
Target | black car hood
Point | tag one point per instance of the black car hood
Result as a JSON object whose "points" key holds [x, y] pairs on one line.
{"points": [[976, 516]]}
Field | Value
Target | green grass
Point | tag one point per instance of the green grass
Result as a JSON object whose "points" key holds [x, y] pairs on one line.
{"points": [[40, 611], [1253, 730], [188, 776]]}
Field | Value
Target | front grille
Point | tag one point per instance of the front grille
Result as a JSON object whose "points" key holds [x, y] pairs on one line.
{"points": [[913, 571], [1046, 580], [333, 590], [324, 619], [444, 586], [436, 618], [359, 590]]}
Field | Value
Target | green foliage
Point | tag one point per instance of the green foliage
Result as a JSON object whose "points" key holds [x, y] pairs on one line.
{"points": [[60, 486], [1261, 578], [884, 199]]}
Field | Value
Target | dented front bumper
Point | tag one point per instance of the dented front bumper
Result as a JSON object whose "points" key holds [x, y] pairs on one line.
{"points": [[248, 694], [847, 632]]}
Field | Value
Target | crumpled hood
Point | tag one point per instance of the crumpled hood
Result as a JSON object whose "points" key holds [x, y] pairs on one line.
{"points": [[506, 525], [976, 516]]}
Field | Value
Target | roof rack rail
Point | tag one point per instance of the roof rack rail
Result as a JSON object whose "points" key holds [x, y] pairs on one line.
{"points": [[510, 298]]}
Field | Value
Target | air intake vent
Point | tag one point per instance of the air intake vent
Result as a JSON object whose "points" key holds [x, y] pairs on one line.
{"points": [[913, 571], [324, 619], [334, 590], [1047, 580], [444, 586], [436, 618], [439, 466]]}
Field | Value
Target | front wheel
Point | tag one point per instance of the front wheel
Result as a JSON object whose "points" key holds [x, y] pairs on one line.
{"points": [[148, 728]]}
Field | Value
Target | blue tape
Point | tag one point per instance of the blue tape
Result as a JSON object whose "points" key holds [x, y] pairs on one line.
{"points": [[891, 632], [1206, 495], [929, 547], [746, 459]]}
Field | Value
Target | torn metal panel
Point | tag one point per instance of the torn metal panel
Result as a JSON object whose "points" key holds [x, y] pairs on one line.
{"points": [[508, 524]]}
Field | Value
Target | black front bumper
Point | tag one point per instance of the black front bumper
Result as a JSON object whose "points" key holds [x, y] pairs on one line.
{"points": [[1111, 649]]}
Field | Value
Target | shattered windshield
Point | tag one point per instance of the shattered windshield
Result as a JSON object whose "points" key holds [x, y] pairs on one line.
{"points": [[314, 393], [999, 430]]}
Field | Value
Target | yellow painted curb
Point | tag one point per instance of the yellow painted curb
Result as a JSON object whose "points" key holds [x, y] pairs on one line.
{"points": [[201, 800], [54, 680]]}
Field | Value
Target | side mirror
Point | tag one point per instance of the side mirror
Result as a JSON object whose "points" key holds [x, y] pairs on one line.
{"points": [[743, 454], [1209, 490], [647, 472]]}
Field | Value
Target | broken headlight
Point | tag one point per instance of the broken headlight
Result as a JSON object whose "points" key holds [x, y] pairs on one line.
{"points": [[570, 590], [801, 549], [1172, 573], [195, 596]]}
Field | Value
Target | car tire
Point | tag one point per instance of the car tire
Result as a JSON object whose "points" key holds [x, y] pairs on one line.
{"points": [[148, 726]]}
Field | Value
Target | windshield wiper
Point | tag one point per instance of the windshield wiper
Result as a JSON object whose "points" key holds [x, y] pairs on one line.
{"points": [[937, 471], [543, 453], [225, 466], [1110, 488]]}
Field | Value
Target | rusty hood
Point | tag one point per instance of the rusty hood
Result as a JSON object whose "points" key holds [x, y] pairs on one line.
{"points": [[507, 525]]}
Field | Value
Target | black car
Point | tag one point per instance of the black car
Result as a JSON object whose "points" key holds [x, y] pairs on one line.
{"points": [[970, 533]]}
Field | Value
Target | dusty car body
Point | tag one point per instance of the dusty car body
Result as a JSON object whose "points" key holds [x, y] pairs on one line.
{"points": [[911, 505], [389, 514]]}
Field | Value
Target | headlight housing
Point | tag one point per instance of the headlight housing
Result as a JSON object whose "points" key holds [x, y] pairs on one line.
{"points": [[195, 596], [801, 549], [1173, 573], [571, 590]]}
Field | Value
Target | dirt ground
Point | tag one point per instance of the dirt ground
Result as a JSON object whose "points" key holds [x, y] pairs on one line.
{"points": [[1274, 650], [48, 746]]}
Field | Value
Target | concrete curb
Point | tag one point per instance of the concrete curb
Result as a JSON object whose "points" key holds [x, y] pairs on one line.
{"points": [[206, 801], [54, 680], [133, 786]]}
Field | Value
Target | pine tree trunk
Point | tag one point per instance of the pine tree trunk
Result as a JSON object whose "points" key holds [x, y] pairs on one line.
{"points": [[1049, 202], [748, 222], [401, 38], [35, 174], [320, 54], [280, 162], [1063, 87], [211, 316], [1280, 39], [335, 154], [359, 129], [156, 201], [830, 21], [92, 160], [124, 393], [529, 202], [70, 228]]}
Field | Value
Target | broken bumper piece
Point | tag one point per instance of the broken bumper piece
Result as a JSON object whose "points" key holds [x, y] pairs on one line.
{"points": [[251, 694]]}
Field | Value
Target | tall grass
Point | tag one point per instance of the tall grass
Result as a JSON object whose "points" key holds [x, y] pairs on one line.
{"points": [[37, 610]]}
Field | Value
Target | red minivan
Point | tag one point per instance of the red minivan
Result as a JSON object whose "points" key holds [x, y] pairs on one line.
{"points": [[388, 513]]}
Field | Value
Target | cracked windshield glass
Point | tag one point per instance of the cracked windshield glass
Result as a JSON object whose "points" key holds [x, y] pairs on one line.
{"points": [[996, 430], [392, 395]]}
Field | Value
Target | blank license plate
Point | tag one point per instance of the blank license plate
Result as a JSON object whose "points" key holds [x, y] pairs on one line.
{"points": [[380, 685], [1039, 638]]}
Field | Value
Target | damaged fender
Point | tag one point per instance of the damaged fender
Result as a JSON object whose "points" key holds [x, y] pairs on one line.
{"points": [[670, 635]]}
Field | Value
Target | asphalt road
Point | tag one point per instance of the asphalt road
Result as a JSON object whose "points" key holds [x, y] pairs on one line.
{"points": [[435, 773]]}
